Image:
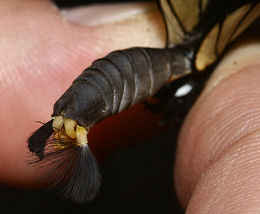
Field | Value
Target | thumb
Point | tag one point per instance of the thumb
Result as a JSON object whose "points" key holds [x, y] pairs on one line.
{"points": [[41, 54], [218, 161]]}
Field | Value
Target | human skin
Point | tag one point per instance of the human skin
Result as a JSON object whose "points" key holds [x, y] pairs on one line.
{"points": [[218, 157]]}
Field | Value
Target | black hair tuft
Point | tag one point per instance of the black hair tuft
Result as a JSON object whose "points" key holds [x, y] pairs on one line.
{"points": [[38, 140], [74, 174], [72, 171]]}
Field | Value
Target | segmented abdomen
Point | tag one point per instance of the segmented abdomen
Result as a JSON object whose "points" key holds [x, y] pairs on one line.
{"points": [[117, 81]]}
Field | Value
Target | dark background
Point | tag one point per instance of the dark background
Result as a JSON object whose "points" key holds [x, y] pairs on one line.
{"points": [[136, 180]]}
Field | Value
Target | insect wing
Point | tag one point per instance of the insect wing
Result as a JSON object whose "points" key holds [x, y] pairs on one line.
{"points": [[181, 17], [207, 25], [227, 28]]}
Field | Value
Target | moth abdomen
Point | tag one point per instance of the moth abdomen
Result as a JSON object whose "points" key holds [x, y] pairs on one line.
{"points": [[117, 81]]}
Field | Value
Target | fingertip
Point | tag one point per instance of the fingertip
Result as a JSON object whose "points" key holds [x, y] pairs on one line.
{"points": [[231, 184], [227, 111]]}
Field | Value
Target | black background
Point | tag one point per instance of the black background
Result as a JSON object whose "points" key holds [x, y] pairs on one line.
{"points": [[136, 180]]}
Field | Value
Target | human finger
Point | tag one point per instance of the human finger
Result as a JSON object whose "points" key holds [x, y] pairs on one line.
{"points": [[218, 163], [41, 54]]}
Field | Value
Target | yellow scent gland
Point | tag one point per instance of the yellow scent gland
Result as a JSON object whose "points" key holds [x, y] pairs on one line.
{"points": [[67, 133]]}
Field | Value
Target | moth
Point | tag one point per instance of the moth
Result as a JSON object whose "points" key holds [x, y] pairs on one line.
{"points": [[198, 34]]}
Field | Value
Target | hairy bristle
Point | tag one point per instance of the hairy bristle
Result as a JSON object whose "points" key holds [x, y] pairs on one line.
{"points": [[72, 170], [73, 173], [38, 140]]}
